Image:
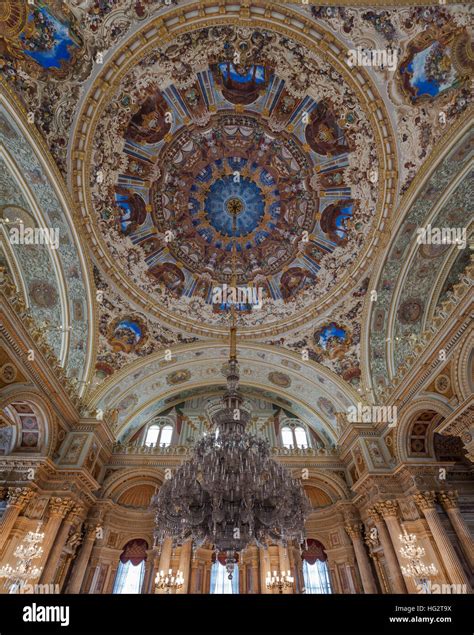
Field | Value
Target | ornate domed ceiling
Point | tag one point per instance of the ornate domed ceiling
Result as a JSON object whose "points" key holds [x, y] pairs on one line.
{"points": [[232, 139]]}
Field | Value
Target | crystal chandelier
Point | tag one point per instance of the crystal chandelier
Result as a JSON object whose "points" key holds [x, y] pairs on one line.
{"points": [[280, 582], [169, 581], [26, 552], [231, 493], [416, 568]]}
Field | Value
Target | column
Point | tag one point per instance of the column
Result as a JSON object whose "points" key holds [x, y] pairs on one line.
{"points": [[253, 564], [165, 558], [155, 555], [368, 583], [449, 501], [184, 562], [58, 510], [396, 577], [284, 565], [55, 554], [426, 503], [18, 498], [195, 564], [80, 566], [264, 568]]}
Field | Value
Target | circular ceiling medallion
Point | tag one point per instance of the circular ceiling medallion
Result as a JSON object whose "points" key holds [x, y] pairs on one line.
{"points": [[233, 147]]}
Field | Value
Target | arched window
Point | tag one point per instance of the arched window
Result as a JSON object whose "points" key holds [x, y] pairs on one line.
{"points": [[159, 436], [152, 435], [300, 436], [294, 437], [165, 437], [129, 578], [287, 437], [315, 568]]}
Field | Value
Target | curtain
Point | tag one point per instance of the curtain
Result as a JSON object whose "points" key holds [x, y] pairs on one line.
{"points": [[220, 582], [316, 577], [129, 578]]}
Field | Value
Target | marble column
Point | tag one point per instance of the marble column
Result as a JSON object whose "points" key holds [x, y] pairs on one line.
{"points": [[285, 566], [396, 576], [155, 555], [18, 499], [195, 565], [184, 562], [449, 501], [80, 566], [165, 559], [58, 510], [355, 534], [426, 502], [52, 562], [264, 567]]}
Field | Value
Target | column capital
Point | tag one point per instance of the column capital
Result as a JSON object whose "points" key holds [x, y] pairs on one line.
{"points": [[425, 500], [91, 530], [449, 500], [353, 531], [387, 509], [75, 513], [60, 506], [19, 496], [374, 514]]}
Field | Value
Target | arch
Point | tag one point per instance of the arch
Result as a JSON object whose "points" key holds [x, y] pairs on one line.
{"points": [[198, 365], [38, 197], [379, 316], [407, 422], [35, 429], [463, 367], [121, 481]]}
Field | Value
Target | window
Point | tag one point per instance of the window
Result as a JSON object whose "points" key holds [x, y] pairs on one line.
{"points": [[294, 437], [316, 577], [300, 436], [129, 577], [152, 435], [287, 437], [158, 435], [220, 582], [166, 434]]}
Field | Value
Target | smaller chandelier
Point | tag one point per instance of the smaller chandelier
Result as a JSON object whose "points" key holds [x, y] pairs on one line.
{"points": [[415, 568], [280, 582], [169, 581], [25, 552]]}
